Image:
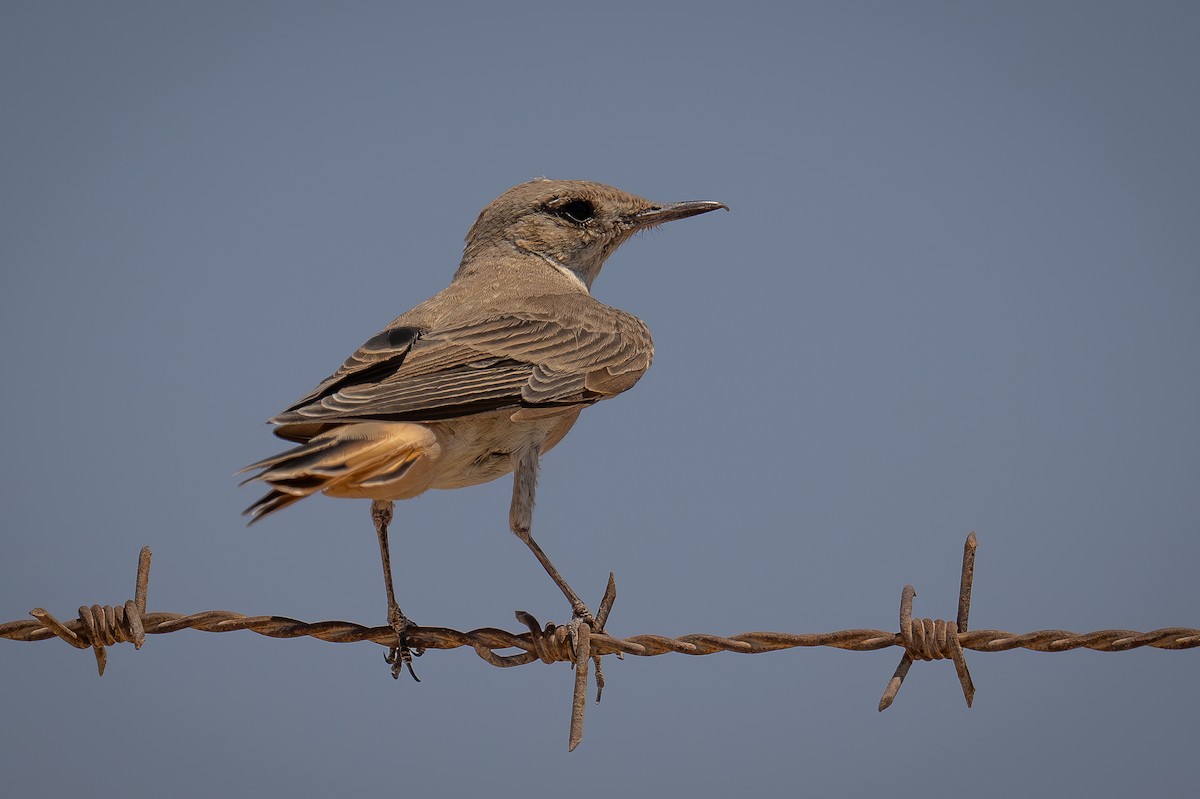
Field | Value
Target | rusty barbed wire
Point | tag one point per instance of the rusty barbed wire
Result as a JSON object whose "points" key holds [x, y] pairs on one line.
{"points": [[922, 639]]}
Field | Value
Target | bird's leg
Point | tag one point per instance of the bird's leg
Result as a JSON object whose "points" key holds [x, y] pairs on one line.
{"points": [[520, 519], [400, 655]]}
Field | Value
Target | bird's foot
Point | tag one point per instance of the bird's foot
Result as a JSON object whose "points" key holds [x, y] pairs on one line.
{"points": [[580, 615], [401, 655]]}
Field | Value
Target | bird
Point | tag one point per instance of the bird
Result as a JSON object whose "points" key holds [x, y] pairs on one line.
{"points": [[482, 379]]}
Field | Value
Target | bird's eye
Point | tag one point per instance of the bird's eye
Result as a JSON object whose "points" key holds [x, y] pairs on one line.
{"points": [[577, 211]]}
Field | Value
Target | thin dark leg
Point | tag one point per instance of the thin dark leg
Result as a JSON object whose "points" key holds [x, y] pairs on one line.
{"points": [[400, 655], [577, 606], [520, 519]]}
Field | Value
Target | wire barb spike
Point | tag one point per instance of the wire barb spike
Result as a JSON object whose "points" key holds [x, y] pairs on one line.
{"points": [[103, 625], [935, 639]]}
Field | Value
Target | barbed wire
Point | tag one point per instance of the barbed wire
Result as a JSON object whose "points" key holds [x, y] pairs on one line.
{"points": [[100, 626]]}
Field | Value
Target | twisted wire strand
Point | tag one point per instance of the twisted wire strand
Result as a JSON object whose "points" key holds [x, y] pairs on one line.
{"points": [[492, 638], [100, 626]]}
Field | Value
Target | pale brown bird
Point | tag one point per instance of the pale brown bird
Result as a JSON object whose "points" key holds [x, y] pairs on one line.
{"points": [[483, 377]]}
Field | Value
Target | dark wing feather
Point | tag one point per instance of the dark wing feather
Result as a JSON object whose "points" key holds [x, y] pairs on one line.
{"points": [[380, 356]]}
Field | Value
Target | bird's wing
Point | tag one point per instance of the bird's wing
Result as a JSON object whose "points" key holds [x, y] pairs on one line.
{"points": [[538, 356]]}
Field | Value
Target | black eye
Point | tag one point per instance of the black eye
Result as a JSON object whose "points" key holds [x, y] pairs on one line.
{"points": [[578, 211]]}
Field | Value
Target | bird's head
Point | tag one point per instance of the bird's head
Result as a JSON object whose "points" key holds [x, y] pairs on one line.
{"points": [[572, 225]]}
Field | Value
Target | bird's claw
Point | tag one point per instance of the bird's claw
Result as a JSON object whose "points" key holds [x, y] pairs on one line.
{"points": [[580, 616], [400, 656]]}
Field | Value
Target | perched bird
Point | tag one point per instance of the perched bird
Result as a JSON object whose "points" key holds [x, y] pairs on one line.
{"points": [[483, 377]]}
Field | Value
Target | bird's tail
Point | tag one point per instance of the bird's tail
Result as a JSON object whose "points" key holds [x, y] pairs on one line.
{"points": [[367, 459]]}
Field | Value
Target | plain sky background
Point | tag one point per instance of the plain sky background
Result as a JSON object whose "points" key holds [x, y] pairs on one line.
{"points": [[959, 289]]}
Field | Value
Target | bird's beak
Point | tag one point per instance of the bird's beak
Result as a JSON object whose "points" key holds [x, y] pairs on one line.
{"points": [[657, 214]]}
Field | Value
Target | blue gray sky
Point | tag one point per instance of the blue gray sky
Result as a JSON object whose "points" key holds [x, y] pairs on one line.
{"points": [[958, 290]]}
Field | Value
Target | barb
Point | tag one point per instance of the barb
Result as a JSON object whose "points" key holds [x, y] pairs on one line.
{"points": [[930, 639], [921, 639], [104, 625]]}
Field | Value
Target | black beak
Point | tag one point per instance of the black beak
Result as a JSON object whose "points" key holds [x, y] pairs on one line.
{"points": [[657, 214]]}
